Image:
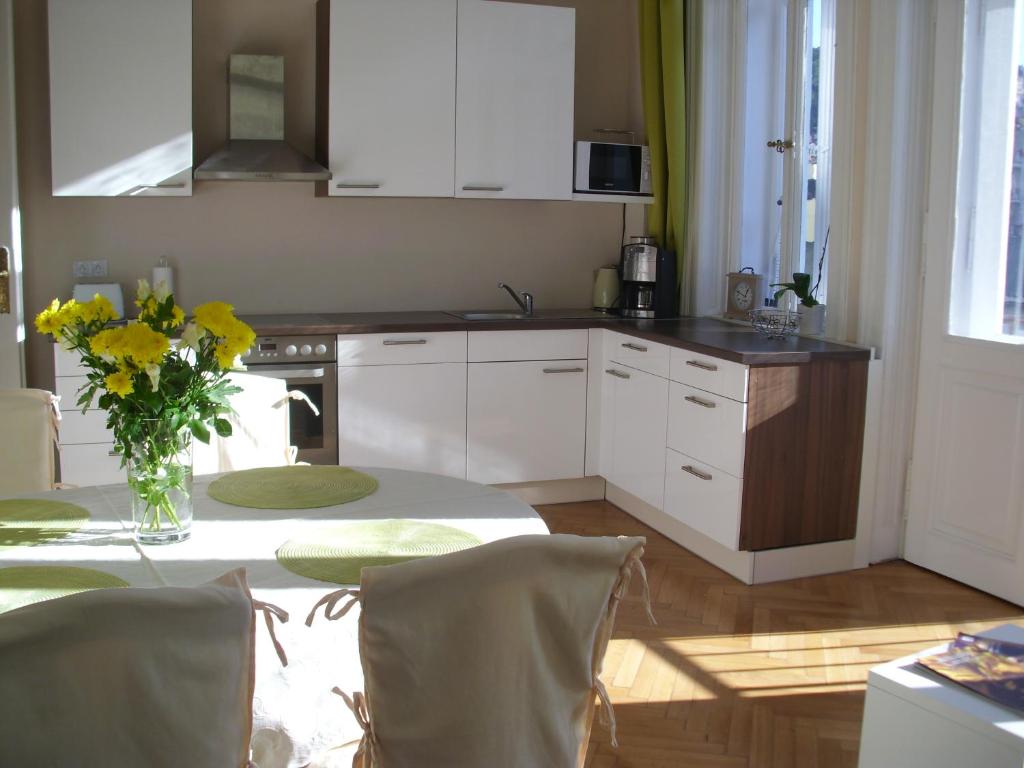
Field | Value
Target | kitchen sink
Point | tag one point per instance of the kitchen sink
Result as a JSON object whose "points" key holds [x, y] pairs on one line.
{"points": [[541, 314]]}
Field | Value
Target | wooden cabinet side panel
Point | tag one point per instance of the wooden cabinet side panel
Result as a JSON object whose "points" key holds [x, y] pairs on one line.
{"points": [[805, 430]]}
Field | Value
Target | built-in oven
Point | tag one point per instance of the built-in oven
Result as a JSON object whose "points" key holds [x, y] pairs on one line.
{"points": [[307, 364]]}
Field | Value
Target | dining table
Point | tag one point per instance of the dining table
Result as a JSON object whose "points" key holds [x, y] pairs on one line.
{"points": [[297, 719]]}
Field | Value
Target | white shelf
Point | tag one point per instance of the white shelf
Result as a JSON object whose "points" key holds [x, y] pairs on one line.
{"points": [[587, 197]]}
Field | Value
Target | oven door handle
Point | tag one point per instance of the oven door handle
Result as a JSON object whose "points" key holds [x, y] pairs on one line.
{"points": [[282, 372]]}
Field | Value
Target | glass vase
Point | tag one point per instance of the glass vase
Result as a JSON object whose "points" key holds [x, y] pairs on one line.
{"points": [[160, 478]]}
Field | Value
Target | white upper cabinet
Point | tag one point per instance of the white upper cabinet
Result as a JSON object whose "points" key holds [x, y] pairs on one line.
{"points": [[391, 97], [121, 97], [514, 113]]}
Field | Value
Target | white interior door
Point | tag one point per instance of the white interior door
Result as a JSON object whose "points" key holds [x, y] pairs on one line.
{"points": [[966, 509], [12, 326]]}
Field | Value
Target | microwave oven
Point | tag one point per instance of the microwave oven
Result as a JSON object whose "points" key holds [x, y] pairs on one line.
{"points": [[615, 169]]}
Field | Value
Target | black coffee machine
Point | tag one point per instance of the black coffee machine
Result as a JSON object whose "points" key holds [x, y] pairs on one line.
{"points": [[649, 283]]}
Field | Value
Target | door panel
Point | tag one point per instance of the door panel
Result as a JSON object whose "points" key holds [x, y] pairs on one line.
{"points": [[12, 331], [514, 102], [392, 97], [966, 500], [403, 417], [636, 446], [526, 421]]}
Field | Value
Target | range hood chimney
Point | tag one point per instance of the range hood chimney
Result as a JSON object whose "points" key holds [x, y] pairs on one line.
{"points": [[256, 149]]}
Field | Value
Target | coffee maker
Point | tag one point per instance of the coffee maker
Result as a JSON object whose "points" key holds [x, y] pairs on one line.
{"points": [[649, 287]]}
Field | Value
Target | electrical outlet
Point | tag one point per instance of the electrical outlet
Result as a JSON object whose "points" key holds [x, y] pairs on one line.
{"points": [[94, 268]]}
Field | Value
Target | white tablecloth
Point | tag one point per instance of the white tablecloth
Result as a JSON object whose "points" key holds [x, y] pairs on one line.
{"points": [[296, 716]]}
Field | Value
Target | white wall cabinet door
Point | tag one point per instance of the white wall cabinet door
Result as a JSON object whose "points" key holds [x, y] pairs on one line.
{"points": [[526, 421], [514, 103], [403, 417], [121, 97], [392, 97], [633, 438]]}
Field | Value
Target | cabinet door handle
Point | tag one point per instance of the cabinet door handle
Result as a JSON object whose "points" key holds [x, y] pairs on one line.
{"points": [[483, 188], [402, 342], [617, 374], [702, 366], [696, 472], [161, 186], [564, 370], [635, 347], [357, 185], [113, 453], [700, 402]]}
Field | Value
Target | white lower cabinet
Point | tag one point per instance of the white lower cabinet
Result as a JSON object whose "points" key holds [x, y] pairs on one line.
{"points": [[635, 418], [403, 417], [526, 421], [703, 497], [90, 464]]}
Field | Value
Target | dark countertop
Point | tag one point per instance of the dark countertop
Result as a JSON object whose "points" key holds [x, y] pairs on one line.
{"points": [[730, 341]]}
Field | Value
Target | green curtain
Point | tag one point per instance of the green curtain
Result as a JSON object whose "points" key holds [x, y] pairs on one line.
{"points": [[663, 68]]}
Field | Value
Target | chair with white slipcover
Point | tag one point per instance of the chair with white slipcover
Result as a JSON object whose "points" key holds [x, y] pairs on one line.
{"points": [[29, 419], [260, 424], [127, 677], [488, 657]]}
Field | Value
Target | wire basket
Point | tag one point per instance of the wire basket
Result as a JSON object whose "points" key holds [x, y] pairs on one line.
{"points": [[775, 323]]}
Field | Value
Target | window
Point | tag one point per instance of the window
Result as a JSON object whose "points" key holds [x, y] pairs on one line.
{"points": [[788, 86], [987, 287]]}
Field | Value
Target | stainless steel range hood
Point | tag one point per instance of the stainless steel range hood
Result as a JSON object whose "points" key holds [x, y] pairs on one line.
{"points": [[256, 150]]}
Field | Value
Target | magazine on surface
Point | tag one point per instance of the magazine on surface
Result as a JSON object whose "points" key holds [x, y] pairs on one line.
{"points": [[993, 668]]}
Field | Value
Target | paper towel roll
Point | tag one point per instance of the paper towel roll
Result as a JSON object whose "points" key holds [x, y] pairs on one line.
{"points": [[164, 274]]}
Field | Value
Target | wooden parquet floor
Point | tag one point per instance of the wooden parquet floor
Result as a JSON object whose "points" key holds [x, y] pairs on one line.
{"points": [[769, 675]]}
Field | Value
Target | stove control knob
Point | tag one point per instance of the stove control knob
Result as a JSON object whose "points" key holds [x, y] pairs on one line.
{"points": [[291, 350], [306, 349], [321, 349]]}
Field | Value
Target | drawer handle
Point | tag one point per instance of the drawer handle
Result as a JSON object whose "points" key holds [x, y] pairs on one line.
{"points": [[113, 453], [698, 401], [162, 186], [702, 366], [483, 187], [357, 185], [689, 468], [402, 342], [635, 347], [617, 374], [564, 370]]}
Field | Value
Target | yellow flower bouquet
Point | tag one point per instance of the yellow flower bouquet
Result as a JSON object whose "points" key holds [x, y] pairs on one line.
{"points": [[157, 394]]}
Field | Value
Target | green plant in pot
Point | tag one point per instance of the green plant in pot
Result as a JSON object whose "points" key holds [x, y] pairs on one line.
{"points": [[811, 311]]}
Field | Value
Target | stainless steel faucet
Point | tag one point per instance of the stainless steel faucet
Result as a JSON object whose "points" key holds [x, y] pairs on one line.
{"points": [[524, 300]]}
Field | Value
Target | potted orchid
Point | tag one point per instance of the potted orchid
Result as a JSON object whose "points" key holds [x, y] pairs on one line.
{"points": [[159, 393]]}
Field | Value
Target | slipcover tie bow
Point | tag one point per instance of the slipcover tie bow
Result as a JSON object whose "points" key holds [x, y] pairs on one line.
{"points": [[366, 753], [606, 715], [330, 600], [269, 611]]}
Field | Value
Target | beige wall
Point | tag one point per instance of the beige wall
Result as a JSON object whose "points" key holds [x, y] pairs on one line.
{"points": [[275, 247]]}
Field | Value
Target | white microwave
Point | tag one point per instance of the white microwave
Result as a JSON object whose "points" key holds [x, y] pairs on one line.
{"points": [[612, 169]]}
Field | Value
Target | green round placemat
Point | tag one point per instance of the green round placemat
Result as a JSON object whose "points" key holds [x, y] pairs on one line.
{"points": [[25, 522], [338, 554], [292, 487], [26, 584]]}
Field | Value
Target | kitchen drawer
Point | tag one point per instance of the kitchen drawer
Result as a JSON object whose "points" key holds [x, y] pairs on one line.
{"points": [[703, 497], [510, 346], [708, 427], [92, 464], [67, 363], [712, 374], [648, 356], [89, 427], [401, 348], [67, 390]]}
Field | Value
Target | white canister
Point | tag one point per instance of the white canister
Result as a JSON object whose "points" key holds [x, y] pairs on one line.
{"points": [[163, 273]]}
